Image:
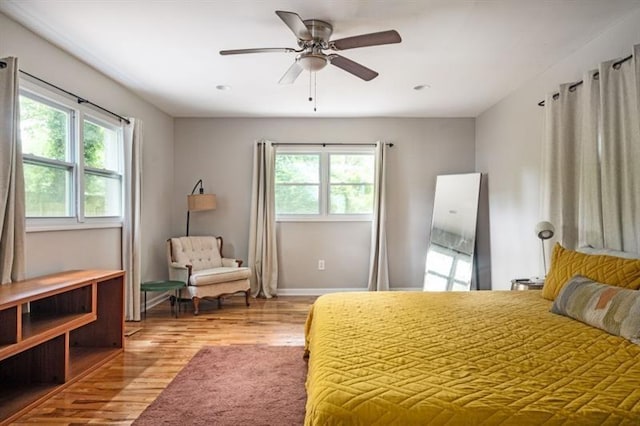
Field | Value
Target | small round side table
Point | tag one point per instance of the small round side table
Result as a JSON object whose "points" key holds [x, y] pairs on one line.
{"points": [[163, 285], [526, 284]]}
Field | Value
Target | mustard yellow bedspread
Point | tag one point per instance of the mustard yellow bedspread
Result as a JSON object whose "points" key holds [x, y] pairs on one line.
{"points": [[463, 358]]}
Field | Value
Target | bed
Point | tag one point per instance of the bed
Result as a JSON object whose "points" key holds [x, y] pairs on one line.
{"points": [[464, 358]]}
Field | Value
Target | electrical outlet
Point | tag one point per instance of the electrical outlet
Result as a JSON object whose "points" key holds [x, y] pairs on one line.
{"points": [[321, 265]]}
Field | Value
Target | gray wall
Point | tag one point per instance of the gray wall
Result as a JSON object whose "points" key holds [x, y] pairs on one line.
{"points": [[99, 248], [509, 147], [220, 151]]}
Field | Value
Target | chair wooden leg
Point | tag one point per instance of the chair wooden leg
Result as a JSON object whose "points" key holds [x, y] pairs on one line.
{"points": [[246, 297], [196, 305]]}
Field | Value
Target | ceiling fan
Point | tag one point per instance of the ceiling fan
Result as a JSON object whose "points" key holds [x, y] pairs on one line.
{"points": [[313, 38]]}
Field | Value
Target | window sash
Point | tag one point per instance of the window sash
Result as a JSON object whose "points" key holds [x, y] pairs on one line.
{"points": [[70, 127], [68, 199], [109, 201], [118, 144]]}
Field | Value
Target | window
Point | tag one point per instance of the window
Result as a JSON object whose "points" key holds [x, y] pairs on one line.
{"points": [[335, 184], [73, 161]]}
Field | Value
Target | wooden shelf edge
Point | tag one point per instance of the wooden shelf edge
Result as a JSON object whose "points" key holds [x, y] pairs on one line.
{"points": [[40, 287]]}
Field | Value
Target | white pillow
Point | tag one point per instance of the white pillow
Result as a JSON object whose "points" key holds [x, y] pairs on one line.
{"points": [[609, 252]]}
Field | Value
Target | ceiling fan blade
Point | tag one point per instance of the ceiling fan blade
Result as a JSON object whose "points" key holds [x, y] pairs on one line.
{"points": [[295, 23], [372, 39], [353, 67], [292, 73], [258, 50]]}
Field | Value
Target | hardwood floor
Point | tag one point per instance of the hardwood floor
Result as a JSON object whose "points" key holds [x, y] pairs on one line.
{"points": [[119, 391]]}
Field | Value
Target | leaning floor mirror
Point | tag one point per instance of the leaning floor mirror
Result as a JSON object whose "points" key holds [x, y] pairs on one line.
{"points": [[450, 255]]}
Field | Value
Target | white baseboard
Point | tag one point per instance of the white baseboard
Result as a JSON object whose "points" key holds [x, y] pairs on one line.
{"points": [[314, 291], [153, 301], [321, 291]]}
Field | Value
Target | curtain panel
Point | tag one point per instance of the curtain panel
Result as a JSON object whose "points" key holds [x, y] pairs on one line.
{"points": [[131, 233], [620, 153], [263, 249], [12, 195], [591, 182], [378, 260]]}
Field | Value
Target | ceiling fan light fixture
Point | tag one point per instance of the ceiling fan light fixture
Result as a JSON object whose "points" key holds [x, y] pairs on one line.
{"points": [[313, 37], [312, 61]]}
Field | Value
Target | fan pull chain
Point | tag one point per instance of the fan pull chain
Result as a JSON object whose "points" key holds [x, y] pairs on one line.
{"points": [[313, 82]]}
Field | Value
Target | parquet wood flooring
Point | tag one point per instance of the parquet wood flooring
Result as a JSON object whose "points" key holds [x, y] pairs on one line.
{"points": [[119, 391]]}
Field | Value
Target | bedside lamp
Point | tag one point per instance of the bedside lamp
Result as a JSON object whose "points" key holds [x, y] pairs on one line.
{"points": [[199, 202], [544, 231]]}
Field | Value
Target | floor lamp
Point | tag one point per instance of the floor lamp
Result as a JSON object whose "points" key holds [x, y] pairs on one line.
{"points": [[544, 231], [199, 202]]}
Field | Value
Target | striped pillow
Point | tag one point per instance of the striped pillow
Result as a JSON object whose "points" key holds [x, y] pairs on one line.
{"points": [[615, 310]]}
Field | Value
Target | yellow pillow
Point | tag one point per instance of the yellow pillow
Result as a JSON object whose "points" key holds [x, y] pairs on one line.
{"points": [[565, 264]]}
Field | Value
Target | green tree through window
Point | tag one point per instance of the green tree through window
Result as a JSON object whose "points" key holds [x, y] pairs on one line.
{"points": [[297, 183], [52, 169], [45, 133], [330, 184]]}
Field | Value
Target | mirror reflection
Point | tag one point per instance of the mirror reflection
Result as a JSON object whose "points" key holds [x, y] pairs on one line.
{"points": [[450, 255]]}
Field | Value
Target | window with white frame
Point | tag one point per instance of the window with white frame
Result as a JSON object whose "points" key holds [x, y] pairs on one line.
{"points": [[333, 183], [73, 161]]}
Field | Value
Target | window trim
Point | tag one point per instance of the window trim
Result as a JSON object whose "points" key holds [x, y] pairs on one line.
{"points": [[325, 185], [78, 114]]}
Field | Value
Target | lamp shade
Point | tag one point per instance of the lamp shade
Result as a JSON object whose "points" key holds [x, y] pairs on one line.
{"points": [[199, 202], [545, 230]]}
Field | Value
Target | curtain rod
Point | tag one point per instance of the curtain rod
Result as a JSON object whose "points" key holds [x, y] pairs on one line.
{"points": [[389, 144], [79, 99], [596, 75]]}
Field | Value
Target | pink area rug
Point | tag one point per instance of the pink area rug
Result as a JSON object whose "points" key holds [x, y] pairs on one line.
{"points": [[234, 385]]}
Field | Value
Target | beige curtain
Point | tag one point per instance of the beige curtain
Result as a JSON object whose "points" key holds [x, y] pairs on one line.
{"points": [[592, 145], [131, 239], [263, 250], [590, 192], [378, 261], [562, 162], [12, 197], [620, 104]]}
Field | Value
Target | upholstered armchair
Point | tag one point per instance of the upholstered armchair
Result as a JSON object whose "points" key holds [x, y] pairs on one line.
{"points": [[198, 262]]}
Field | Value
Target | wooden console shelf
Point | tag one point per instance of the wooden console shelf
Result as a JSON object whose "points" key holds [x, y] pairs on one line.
{"points": [[54, 330]]}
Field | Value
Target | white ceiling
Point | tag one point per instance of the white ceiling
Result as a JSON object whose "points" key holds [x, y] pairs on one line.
{"points": [[471, 53]]}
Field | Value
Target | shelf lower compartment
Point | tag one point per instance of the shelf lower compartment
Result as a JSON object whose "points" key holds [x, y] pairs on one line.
{"points": [[21, 398], [83, 360], [19, 393]]}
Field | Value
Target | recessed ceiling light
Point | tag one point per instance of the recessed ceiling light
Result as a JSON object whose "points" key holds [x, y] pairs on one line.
{"points": [[421, 87], [223, 87]]}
